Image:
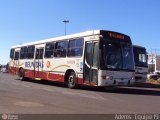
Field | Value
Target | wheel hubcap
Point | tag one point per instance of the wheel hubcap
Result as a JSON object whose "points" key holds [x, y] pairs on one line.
{"points": [[71, 81]]}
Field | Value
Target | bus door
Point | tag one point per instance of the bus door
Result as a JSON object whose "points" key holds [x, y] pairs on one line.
{"points": [[91, 62], [16, 62], [38, 64]]}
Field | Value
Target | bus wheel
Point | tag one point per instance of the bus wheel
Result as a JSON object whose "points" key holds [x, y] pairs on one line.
{"points": [[72, 80], [21, 74]]}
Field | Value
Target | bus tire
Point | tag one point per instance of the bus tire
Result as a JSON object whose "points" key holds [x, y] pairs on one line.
{"points": [[21, 74], [72, 83]]}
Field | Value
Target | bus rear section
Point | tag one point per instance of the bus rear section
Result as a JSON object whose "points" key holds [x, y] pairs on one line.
{"points": [[141, 66], [14, 62]]}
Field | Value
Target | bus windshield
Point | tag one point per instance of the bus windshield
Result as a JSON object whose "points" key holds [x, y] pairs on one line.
{"points": [[117, 55], [140, 57]]}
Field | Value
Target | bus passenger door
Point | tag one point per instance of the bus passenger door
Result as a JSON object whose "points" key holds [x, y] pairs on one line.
{"points": [[38, 67], [91, 63]]}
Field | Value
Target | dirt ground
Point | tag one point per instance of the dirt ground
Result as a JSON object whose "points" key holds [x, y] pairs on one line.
{"points": [[150, 83], [156, 82]]}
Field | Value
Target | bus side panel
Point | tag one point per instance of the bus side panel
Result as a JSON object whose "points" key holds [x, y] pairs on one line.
{"points": [[141, 74], [29, 73], [12, 68], [80, 80], [53, 76]]}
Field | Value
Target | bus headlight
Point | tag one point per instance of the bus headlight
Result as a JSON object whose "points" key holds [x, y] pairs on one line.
{"points": [[106, 77], [133, 77]]}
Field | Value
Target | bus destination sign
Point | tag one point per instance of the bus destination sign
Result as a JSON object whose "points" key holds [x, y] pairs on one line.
{"points": [[116, 36]]}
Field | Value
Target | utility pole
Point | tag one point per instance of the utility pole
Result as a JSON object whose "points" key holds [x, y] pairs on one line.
{"points": [[152, 61]]}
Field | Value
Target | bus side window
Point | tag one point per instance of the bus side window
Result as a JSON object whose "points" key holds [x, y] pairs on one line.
{"points": [[16, 57], [49, 50], [61, 49], [23, 53], [31, 51], [75, 48]]}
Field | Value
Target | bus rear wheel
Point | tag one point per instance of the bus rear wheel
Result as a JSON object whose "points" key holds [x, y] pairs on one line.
{"points": [[21, 74], [72, 80]]}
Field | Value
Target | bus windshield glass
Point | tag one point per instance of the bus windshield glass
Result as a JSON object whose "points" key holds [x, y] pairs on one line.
{"points": [[117, 55], [140, 57]]}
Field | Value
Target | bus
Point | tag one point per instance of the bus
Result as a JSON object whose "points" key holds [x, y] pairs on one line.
{"points": [[141, 65], [93, 58]]}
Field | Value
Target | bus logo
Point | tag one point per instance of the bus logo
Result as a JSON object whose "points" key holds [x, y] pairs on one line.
{"points": [[48, 64]]}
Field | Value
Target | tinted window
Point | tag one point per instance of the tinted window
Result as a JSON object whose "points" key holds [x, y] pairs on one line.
{"points": [[95, 55], [16, 56], [61, 49], [117, 55], [49, 50], [88, 52], [128, 62], [75, 47], [39, 53], [140, 57], [112, 55], [31, 50], [12, 53], [23, 53]]}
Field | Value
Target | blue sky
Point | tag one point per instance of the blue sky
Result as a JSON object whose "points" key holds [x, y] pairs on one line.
{"points": [[24, 21]]}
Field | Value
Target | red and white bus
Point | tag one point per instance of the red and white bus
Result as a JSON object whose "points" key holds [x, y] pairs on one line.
{"points": [[94, 58]]}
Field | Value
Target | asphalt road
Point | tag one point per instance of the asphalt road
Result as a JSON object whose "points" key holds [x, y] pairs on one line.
{"points": [[31, 97]]}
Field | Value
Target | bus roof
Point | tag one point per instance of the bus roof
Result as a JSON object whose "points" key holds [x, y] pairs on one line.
{"points": [[77, 35], [138, 46]]}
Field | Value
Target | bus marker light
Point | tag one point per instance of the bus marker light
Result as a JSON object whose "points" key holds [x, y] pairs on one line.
{"points": [[107, 77], [38, 79]]}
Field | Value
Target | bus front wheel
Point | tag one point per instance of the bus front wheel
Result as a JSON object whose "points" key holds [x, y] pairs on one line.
{"points": [[72, 80]]}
